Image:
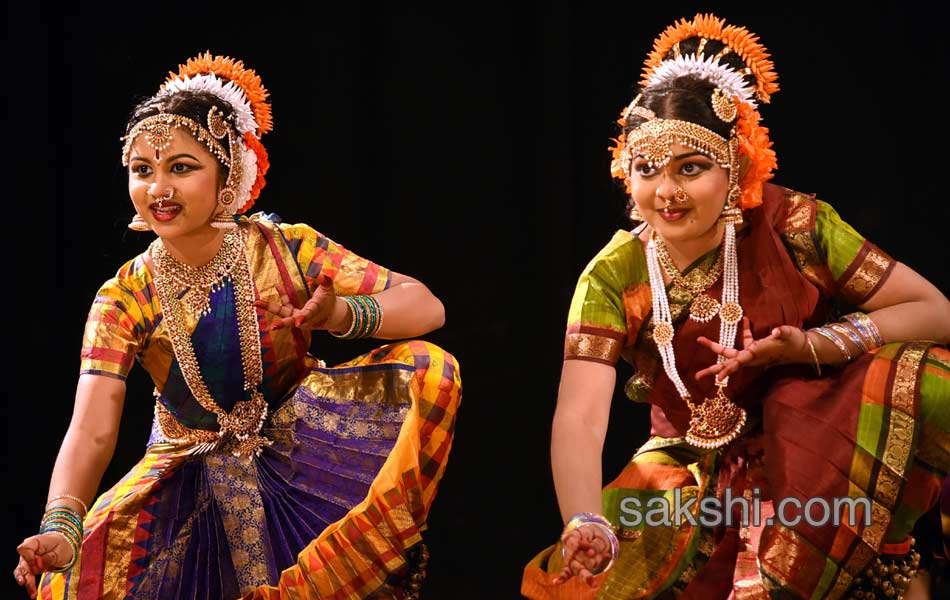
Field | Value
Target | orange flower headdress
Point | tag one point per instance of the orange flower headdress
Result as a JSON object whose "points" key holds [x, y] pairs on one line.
{"points": [[734, 100], [241, 89]]}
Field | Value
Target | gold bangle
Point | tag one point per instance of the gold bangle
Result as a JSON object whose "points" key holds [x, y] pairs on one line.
{"points": [[85, 509], [814, 354]]}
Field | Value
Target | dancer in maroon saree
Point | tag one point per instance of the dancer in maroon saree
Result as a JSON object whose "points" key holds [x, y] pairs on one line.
{"points": [[768, 336]]}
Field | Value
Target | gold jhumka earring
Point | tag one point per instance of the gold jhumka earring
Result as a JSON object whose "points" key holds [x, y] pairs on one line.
{"points": [[139, 224], [726, 109], [219, 128]]}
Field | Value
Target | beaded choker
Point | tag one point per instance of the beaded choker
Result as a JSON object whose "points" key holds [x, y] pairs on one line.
{"points": [[715, 421], [239, 429]]}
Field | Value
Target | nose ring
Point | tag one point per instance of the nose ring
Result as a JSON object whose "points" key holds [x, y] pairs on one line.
{"points": [[680, 195], [169, 194]]}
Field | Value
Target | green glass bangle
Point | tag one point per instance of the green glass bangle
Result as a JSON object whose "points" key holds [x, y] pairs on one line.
{"points": [[62, 516], [367, 317], [364, 316], [61, 521], [69, 536], [355, 319], [72, 544], [67, 514], [373, 320]]}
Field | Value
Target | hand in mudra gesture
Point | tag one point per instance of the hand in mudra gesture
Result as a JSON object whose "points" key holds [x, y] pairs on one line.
{"points": [[784, 344], [315, 314], [586, 553], [38, 553]]}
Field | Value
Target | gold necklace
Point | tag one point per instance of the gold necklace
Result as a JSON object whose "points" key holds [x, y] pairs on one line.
{"points": [[203, 280], [239, 429], [703, 307]]}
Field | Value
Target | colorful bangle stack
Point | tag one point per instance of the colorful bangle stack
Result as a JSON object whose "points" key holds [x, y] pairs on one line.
{"points": [[866, 328], [857, 328], [367, 317], [830, 334], [66, 522], [850, 333], [601, 522]]}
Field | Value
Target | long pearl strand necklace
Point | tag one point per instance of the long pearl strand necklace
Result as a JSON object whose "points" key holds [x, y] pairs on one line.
{"points": [[717, 420]]}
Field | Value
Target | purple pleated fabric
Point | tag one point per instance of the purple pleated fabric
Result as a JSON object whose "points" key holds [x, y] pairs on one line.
{"points": [[220, 525]]}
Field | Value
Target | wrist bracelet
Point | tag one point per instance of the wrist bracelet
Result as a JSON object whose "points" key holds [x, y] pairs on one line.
{"points": [[601, 522], [85, 509], [367, 317], [66, 522], [846, 330], [866, 328], [833, 337], [814, 354], [75, 548]]}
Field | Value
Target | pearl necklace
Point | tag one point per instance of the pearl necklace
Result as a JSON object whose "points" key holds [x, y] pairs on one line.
{"points": [[717, 420]]}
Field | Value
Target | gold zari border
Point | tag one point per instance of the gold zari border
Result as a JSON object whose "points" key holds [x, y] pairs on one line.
{"points": [[592, 347], [869, 274]]}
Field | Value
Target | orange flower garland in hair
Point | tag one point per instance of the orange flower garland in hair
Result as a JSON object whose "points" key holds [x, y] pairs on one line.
{"points": [[262, 165], [228, 71], [616, 153], [755, 144], [232, 70], [739, 39]]}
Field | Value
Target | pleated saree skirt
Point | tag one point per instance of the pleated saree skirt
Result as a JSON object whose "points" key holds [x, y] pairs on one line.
{"points": [[332, 509]]}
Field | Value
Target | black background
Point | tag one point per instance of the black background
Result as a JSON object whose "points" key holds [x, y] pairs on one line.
{"points": [[463, 144]]}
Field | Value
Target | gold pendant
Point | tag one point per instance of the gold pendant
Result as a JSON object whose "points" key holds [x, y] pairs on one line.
{"points": [[731, 313], [715, 422], [703, 308]]}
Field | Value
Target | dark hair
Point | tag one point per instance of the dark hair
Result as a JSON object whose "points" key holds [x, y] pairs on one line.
{"points": [[193, 105], [688, 98]]}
